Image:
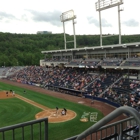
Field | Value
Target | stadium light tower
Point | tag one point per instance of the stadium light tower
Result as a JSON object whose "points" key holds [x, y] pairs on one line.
{"points": [[106, 4], [67, 16]]}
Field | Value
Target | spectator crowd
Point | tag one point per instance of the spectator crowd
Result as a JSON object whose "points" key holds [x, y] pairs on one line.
{"points": [[110, 85]]}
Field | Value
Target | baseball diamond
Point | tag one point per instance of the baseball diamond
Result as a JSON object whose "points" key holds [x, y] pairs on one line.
{"points": [[103, 107], [99, 105], [47, 112]]}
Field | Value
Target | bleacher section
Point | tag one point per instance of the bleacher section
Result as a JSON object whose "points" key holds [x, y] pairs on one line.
{"points": [[133, 62], [2, 71], [111, 62], [110, 87], [56, 60], [101, 83], [94, 63], [7, 71], [83, 63]]}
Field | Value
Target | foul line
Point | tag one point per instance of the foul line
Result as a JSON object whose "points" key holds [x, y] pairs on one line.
{"points": [[32, 102]]}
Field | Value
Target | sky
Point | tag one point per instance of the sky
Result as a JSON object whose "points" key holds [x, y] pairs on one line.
{"points": [[30, 16]]}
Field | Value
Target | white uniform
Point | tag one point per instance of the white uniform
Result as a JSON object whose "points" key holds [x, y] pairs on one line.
{"points": [[13, 93]]}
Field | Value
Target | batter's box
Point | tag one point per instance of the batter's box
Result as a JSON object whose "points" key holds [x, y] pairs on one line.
{"points": [[53, 115]]}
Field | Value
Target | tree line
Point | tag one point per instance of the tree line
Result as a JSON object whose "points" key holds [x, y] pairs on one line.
{"points": [[25, 49]]}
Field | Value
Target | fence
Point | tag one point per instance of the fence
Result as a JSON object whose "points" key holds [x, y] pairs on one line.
{"points": [[123, 129], [31, 130]]}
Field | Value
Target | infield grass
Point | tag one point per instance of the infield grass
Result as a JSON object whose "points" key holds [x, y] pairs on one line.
{"points": [[15, 111]]}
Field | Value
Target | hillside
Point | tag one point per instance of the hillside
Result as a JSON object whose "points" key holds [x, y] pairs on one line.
{"points": [[25, 49]]}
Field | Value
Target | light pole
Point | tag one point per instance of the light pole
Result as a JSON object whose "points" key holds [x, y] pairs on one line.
{"points": [[106, 4], [67, 16], [4, 64]]}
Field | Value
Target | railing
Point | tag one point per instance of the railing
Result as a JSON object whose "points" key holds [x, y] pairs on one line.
{"points": [[115, 131], [3, 77], [31, 130], [111, 85]]}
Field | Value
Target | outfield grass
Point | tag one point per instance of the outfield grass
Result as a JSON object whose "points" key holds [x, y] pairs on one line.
{"points": [[16, 111]]}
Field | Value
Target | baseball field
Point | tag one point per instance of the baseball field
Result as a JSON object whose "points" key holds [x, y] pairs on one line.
{"points": [[36, 104]]}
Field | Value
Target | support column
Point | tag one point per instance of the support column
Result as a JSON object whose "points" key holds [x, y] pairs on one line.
{"points": [[100, 28], [119, 24], [74, 34], [64, 36]]}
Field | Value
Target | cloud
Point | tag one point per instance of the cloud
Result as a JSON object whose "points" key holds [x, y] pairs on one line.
{"points": [[24, 17], [131, 23], [4, 15], [105, 23], [51, 17], [91, 20]]}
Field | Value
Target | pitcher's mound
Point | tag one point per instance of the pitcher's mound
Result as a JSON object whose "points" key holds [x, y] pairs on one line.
{"points": [[54, 117]]}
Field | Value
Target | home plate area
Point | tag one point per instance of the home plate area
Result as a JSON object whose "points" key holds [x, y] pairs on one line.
{"points": [[56, 117]]}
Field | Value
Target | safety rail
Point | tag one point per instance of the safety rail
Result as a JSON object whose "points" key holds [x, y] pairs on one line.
{"points": [[114, 131], [36, 129]]}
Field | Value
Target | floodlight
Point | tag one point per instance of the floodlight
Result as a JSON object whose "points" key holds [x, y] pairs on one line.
{"points": [[106, 4], [67, 16], [124, 46]]}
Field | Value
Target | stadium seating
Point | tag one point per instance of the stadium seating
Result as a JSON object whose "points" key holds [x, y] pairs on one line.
{"points": [[133, 62], [81, 82], [84, 63], [111, 62]]}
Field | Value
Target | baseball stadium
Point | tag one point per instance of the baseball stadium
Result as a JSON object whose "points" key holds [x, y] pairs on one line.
{"points": [[88, 93]]}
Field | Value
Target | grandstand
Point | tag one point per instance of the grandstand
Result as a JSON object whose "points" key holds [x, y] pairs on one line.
{"points": [[110, 56]]}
